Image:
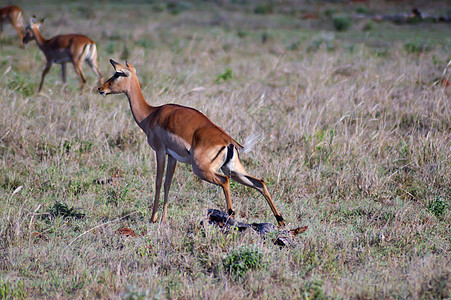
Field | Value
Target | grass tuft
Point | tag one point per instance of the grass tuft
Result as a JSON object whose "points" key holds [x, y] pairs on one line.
{"points": [[240, 261]]}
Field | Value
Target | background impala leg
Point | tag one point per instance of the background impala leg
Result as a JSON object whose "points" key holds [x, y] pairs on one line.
{"points": [[172, 162], [63, 72], [161, 159], [81, 75], [19, 32], [95, 69]]}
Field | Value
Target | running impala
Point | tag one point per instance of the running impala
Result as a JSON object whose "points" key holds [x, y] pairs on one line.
{"points": [[186, 135], [14, 15], [61, 49]]}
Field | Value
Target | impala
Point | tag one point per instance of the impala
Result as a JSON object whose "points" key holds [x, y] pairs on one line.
{"points": [[186, 135], [61, 49], [14, 15]]}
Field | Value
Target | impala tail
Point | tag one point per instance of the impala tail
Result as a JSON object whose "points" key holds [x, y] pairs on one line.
{"points": [[250, 142]]}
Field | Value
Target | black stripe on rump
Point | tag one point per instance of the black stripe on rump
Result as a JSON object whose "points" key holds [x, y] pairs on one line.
{"points": [[229, 153]]}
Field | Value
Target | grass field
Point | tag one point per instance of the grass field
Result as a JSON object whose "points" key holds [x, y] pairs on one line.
{"points": [[355, 142]]}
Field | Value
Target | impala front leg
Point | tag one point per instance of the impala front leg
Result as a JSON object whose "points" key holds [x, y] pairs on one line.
{"points": [[63, 72], [161, 159], [44, 73]]}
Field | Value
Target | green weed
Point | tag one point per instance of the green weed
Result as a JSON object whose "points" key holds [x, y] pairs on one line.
{"points": [[264, 9], [362, 10], [437, 206], [238, 262], [226, 75], [12, 290], [341, 23], [330, 12], [417, 46], [63, 210], [21, 85]]}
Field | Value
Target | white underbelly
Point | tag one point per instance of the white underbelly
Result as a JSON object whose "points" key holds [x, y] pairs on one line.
{"points": [[184, 159]]}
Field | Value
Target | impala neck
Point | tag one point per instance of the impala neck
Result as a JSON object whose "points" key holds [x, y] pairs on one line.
{"points": [[38, 37], [140, 109]]}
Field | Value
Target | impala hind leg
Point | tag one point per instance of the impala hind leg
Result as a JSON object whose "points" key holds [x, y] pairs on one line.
{"points": [[95, 69], [240, 175], [81, 75], [19, 32], [217, 179]]}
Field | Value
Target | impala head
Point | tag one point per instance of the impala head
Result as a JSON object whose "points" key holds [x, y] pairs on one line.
{"points": [[121, 80], [29, 34]]}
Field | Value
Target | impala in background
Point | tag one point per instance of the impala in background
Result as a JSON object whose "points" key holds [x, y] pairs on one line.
{"points": [[14, 15], [61, 49], [184, 134]]}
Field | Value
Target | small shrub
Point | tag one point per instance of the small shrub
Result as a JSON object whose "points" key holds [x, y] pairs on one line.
{"points": [[368, 26], [313, 290], [294, 46], [22, 85], [12, 291], [125, 53], [111, 47], [115, 194], [437, 206], [242, 34], [327, 39], [158, 7], [176, 8], [87, 12], [146, 43], [436, 287], [242, 260], [341, 23], [362, 10], [264, 9], [224, 76], [265, 37], [330, 12], [61, 209], [416, 46]]}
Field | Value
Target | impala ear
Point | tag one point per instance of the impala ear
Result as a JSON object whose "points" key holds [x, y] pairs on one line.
{"points": [[117, 66], [34, 21], [130, 67]]}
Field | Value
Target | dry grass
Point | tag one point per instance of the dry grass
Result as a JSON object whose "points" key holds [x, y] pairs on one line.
{"points": [[355, 143]]}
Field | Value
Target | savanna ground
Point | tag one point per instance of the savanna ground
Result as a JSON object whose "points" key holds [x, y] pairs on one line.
{"points": [[355, 143]]}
